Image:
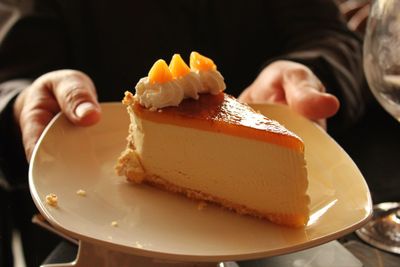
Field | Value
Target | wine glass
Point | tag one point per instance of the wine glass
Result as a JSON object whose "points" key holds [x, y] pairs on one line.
{"points": [[382, 70]]}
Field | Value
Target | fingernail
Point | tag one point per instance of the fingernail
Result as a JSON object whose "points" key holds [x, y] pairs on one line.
{"points": [[84, 108]]}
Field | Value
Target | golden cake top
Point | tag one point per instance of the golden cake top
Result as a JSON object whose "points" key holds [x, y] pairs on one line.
{"points": [[219, 113]]}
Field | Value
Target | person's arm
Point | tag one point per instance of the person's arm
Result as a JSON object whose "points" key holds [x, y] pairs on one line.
{"points": [[314, 34], [34, 45]]}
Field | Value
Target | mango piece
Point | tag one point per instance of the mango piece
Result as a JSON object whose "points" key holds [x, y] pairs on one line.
{"points": [[200, 62], [160, 72], [178, 67]]}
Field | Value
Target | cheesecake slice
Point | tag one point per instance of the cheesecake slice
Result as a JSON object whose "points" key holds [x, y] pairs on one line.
{"points": [[208, 146]]}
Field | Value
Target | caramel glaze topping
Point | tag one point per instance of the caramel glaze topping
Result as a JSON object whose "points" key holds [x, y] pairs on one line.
{"points": [[220, 113]]}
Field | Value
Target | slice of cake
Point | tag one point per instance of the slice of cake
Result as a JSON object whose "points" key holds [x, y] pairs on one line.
{"points": [[187, 136]]}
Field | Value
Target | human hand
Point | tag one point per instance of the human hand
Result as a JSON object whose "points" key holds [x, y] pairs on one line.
{"points": [[69, 91], [295, 85]]}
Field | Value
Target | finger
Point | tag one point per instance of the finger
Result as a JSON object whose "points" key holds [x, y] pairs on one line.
{"points": [[33, 110], [245, 96], [261, 95], [35, 114], [76, 95], [38, 119], [306, 94]]}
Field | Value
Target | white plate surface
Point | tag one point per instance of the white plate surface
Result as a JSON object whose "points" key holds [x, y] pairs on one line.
{"points": [[158, 224]]}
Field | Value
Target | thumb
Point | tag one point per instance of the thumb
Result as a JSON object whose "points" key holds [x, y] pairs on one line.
{"points": [[306, 95], [76, 95]]}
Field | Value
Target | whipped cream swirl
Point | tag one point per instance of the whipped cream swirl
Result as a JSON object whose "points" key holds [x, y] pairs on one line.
{"points": [[171, 93]]}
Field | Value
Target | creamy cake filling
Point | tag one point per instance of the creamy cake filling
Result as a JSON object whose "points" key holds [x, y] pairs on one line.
{"points": [[252, 175]]}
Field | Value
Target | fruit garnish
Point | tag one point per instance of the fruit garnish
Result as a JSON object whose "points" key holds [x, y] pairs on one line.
{"points": [[178, 67], [200, 62], [160, 72]]}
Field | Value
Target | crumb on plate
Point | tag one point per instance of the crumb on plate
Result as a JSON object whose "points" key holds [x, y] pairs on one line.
{"points": [[52, 199], [114, 224], [81, 193]]}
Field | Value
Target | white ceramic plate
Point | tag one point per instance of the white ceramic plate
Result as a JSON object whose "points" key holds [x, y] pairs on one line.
{"points": [[157, 224]]}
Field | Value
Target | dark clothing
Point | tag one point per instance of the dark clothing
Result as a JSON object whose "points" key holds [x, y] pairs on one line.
{"points": [[116, 42], [116, 46]]}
